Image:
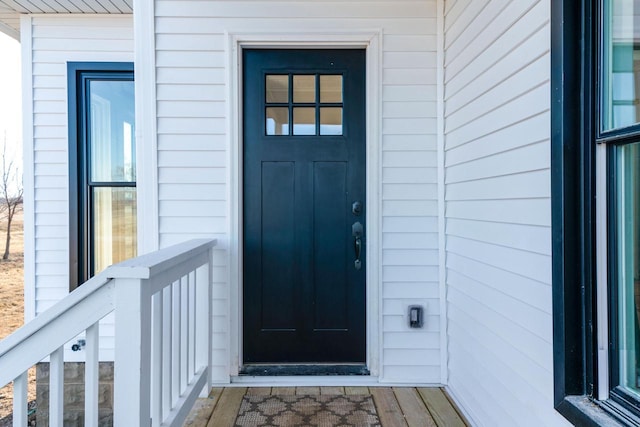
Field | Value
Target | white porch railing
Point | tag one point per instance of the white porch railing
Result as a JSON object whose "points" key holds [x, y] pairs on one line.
{"points": [[162, 307]]}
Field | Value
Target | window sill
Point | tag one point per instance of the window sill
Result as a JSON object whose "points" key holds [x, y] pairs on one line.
{"points": [[582, 411]]}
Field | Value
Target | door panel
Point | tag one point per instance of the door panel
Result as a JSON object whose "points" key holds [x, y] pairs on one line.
{"points": [[304, 167], [278, 245], [330, 239]]}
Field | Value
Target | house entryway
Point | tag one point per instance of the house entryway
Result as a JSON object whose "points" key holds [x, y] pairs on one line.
{"points": [[304, 209], [327, 406]]}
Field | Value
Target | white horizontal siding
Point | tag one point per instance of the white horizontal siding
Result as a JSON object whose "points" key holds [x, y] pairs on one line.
{"points": [[192, 141], [55, 41], [498, 211]]}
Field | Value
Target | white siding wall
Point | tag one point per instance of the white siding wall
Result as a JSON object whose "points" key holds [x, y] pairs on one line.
{"points": [[498, 210], [56, 40], [193, 144]]}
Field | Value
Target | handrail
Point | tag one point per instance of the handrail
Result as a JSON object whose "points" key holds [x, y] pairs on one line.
{"points": [[135, 290], [43, 322], [154, 263]]}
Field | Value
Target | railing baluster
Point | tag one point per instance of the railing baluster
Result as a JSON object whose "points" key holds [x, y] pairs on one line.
{"points": [[56, 387], [188, 326], [167, 360], [92, 376], [184, 332], [175, 356], [156, 360], [192, 323], [20, 416]]}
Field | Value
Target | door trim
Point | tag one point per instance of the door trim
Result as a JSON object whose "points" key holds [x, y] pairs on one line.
{"points": [[371, 42]]}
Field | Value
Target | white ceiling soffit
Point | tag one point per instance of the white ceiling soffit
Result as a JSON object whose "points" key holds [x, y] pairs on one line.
{"points": [[10, 10]]}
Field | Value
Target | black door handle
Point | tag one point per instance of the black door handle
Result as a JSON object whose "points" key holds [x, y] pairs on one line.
{"points": [[357, 231]]}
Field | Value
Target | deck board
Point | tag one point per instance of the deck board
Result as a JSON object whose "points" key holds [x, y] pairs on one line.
{"points": [[387, 406], [226, 411], [440, 407], [202, 409], [415, 412], [396, 407]]}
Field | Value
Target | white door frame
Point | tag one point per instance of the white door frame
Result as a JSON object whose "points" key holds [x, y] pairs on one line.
{"points": [[371, 41]]}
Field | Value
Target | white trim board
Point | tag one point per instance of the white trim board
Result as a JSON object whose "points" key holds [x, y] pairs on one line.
{"points": [[28, 171], [146, 128], [372, 42]]}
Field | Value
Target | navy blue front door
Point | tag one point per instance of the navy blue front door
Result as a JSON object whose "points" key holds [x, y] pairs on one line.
{"points": [[304, 206]]}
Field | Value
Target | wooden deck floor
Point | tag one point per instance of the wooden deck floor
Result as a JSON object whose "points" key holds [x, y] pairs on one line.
{"points": [[396, 406]]}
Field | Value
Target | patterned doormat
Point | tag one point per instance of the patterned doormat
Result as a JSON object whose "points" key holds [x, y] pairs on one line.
{"points": [[308, 411]]}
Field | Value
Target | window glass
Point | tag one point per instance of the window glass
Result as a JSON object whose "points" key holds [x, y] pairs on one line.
{"points": [[331, 89], [304, 89], [331, 121], [621, 64], [277, 89], [111, 131], [277, 121], [114, 226], [304, 121], [628, 259]]}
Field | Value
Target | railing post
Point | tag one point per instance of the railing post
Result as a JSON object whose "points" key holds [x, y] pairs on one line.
{"points": [[132, 381]]}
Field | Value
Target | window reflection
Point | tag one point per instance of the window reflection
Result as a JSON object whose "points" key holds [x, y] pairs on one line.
{"points": [[277, 121], [114, 226], [111, 131], [628, 259], [621, 65], [277, 89], [304, 121]]}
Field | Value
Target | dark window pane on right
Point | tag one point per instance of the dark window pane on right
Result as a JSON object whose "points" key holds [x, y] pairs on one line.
{"points": [[331, 121], [627, 202], [620, 65]]}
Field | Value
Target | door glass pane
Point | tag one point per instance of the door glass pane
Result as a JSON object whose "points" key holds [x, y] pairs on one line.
{"points": [[277, 89], [277, 121], [114, 226], [111, 131], [331, 121], [330, 89], [628, 263], [621, 64], [304, 121], [304, 88]]}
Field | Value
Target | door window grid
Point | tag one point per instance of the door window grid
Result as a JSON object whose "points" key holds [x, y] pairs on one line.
{"points": [[304, 105]]}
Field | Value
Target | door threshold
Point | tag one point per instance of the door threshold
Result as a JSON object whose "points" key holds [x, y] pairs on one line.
{"points": [[274, 370]]}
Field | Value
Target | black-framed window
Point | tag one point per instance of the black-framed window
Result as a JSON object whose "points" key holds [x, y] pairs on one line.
{"points": [[102, 167], [596, 150]]}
